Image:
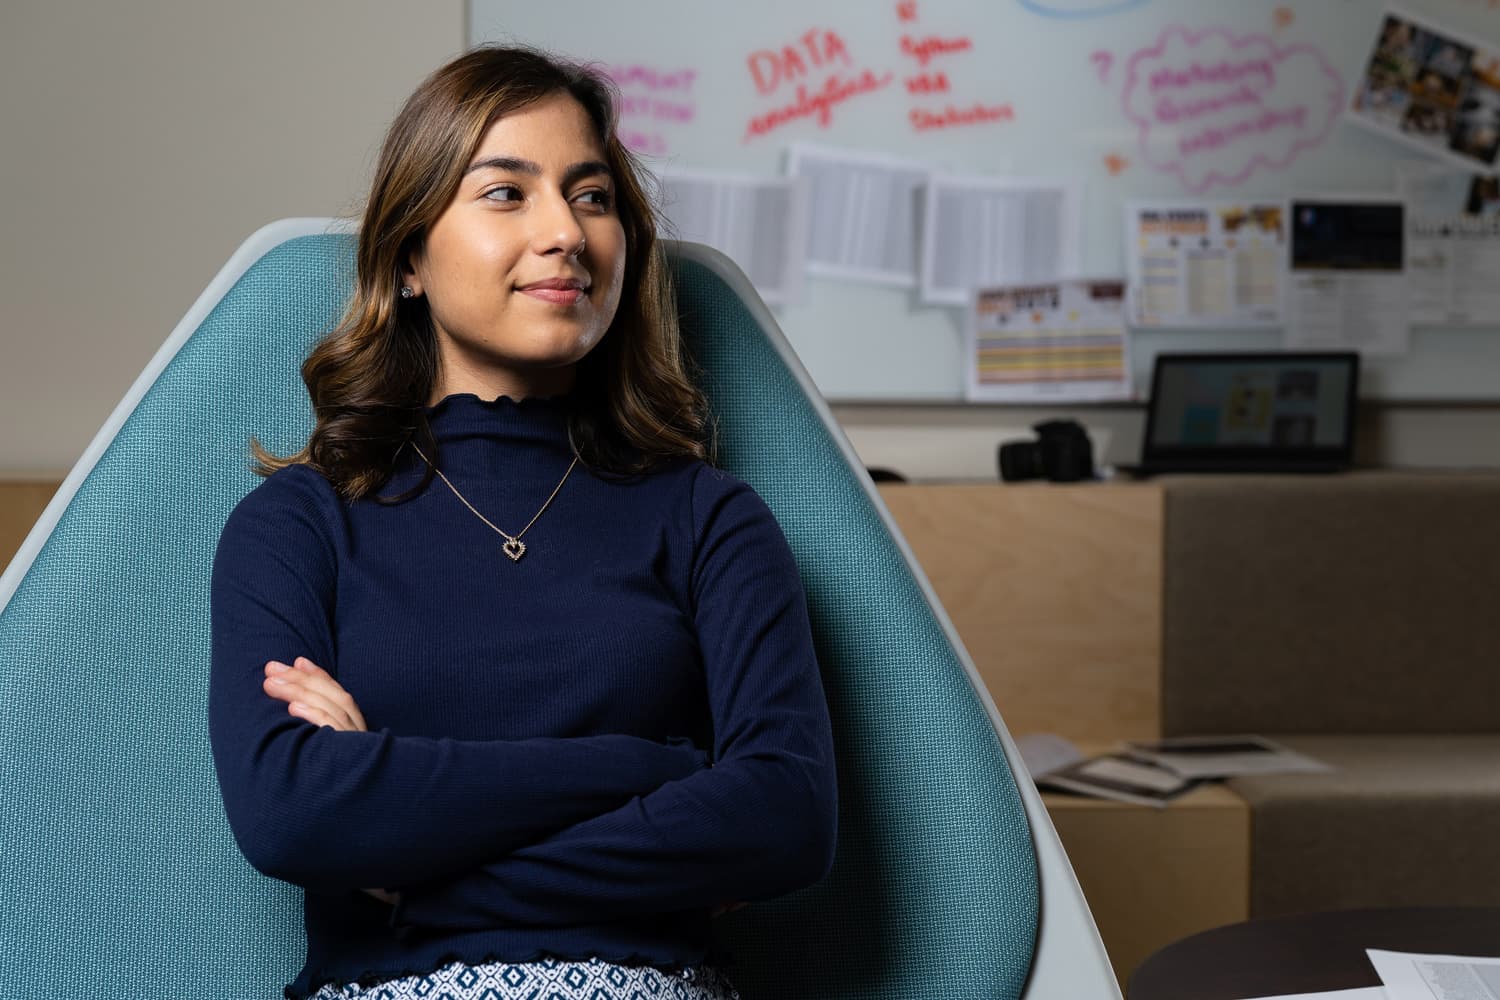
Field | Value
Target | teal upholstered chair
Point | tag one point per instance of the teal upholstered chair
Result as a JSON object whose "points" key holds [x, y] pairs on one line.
{"points": [[118, 874]]}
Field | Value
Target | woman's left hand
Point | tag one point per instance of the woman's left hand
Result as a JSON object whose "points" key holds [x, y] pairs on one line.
{"points": [[313, 694]]}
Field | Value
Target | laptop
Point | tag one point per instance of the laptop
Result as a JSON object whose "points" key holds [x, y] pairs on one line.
{"points": [[1264, 411]]}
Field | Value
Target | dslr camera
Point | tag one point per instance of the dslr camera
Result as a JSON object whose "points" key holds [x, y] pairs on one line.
{"points": [[1062, 453]]}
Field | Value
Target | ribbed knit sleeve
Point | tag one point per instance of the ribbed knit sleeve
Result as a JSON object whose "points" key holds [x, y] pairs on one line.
{"points": [[759, 823], [349, 810]]}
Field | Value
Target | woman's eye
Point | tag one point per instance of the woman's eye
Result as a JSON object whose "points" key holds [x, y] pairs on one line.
{"points": [[597, 197], [505, 192]]}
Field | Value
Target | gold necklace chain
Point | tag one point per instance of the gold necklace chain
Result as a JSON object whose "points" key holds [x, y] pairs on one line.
{"points": [[513, 547]]}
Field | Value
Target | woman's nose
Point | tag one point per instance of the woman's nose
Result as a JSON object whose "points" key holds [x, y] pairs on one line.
{"points": [[556, 228]]}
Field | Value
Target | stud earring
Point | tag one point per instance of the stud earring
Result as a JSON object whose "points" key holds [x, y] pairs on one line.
{"points": [[406, 292]]}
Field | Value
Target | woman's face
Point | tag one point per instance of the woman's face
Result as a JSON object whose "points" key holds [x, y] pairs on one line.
{"points": [[522, 271]]}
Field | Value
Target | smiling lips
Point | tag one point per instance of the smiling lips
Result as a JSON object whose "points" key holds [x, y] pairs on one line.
{"points": [[558, 291]]}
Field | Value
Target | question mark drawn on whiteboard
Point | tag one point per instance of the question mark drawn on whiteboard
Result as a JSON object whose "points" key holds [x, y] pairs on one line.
{"points": [[1102, 62]]}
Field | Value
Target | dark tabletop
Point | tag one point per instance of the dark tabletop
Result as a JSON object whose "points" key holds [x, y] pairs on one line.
{"points": [[1309, 953]]}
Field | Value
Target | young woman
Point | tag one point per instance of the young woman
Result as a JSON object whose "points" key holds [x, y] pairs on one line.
{"points": [[516, 685]]}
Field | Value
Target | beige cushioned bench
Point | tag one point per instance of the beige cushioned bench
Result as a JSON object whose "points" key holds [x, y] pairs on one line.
{"points": [[1357, 618]]}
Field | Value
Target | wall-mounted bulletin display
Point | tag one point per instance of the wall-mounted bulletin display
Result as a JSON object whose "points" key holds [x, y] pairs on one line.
{"points": [[882, 169]]}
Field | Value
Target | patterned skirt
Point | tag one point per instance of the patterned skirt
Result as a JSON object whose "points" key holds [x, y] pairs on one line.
{"points": [[544, 980]]}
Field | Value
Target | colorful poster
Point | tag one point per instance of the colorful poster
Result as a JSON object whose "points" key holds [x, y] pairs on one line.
{"points": [[1057, 342], [1433, 90], [1215, 264]]}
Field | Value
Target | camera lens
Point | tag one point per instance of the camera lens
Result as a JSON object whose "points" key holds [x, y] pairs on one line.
{"points": [[1020, 460]]}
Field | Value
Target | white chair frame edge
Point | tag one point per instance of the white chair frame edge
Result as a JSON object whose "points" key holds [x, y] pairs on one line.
{"points": [[1069, 963]]}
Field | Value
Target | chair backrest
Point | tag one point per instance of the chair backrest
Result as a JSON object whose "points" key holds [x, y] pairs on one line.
{"points": [[118, 873]]}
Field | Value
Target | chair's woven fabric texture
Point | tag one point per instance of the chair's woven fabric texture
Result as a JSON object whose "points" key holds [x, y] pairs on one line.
{"points": [[934, 889], [119, 877]]}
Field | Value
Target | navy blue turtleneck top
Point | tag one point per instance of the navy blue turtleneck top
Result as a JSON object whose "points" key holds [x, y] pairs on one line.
{"points": [[578, 754]]}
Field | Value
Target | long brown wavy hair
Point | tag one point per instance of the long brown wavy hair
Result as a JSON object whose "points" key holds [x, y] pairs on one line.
{"points": [[372, 375]]}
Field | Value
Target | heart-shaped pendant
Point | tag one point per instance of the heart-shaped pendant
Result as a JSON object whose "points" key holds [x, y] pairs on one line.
{"points": [[515, 548]]}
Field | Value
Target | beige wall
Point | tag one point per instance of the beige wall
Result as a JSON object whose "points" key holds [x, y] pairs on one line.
{"points": [[143, 142]]}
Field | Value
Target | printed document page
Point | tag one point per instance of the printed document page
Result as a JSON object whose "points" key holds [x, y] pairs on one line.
{"points": [[1348, 283], [1215, 264], [1222, 756], [1329, 310], [1365, 993], [1055, 342], [1453, 245], [982, 232], [862, 213], [1409, 976], [760, 223]]}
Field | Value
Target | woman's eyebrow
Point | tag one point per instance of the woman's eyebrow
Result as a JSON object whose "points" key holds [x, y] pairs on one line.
{"points": [[511, 164], [514, 164], [588, 168]]}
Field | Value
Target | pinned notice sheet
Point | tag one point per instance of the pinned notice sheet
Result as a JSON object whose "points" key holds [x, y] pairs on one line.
{"points": [[863, 213], [1205, 263], [981, 232], [758, 222], [1051, 342], [1452, 245], [1348, 287]]}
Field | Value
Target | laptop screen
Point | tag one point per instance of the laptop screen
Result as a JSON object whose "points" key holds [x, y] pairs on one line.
{"points": [[1266, 405]]}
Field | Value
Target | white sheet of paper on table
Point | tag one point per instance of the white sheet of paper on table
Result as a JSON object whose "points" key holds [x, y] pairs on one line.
{"points": [[1364, 993], [1413, 976]]}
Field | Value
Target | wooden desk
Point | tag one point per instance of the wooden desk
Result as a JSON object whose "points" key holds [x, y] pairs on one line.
{"points": [[1056, 593], [1154, 876]]}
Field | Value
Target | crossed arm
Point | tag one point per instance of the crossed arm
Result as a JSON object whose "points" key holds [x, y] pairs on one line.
{"points": [[758, 823], [295, 793], [311, 693]]}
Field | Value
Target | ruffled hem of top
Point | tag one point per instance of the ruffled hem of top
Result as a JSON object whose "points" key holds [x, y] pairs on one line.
{"points": [[374, 977], [501, 404]]}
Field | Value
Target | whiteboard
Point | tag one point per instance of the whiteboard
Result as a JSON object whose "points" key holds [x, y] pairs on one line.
{"points": [[1045, 87]]}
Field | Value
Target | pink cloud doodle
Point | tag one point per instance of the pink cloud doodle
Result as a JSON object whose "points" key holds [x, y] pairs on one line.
{"points": [[1213, 107]]}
